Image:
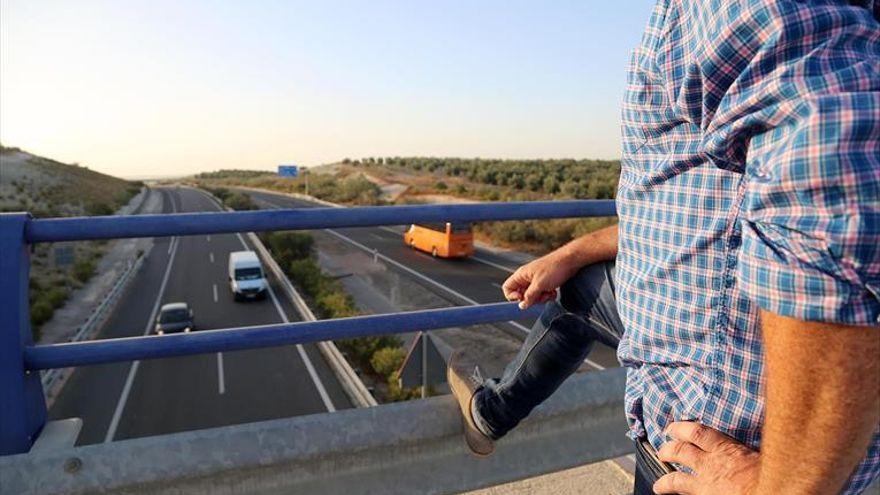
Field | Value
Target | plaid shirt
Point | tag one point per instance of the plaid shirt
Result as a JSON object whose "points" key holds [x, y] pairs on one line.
{"points": [[750, 179]]}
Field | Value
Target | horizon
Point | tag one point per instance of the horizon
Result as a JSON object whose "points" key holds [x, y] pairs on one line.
{"points": [[170, 90]]}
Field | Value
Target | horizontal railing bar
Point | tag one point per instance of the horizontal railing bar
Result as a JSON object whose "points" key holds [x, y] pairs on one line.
{"points": [[117, 227], [231, 339]]}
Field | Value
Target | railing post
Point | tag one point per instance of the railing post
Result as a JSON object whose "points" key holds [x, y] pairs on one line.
{"points": [[22, 406]]}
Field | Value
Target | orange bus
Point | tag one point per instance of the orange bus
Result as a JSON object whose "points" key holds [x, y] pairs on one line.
{"points": [[443, 240]]}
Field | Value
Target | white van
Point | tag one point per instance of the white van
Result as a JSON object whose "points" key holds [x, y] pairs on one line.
{"points": [[246, 277]]}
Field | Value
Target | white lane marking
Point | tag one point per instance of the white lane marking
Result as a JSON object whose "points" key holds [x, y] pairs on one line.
{"points": [[221, 382], [492, 264], [376, 236], [132, 371], [215, 292], [171, 244], [435, 283], [209, 238], [211, 256], [392, 230], [325, 397], [494, 284], [409, 270]]}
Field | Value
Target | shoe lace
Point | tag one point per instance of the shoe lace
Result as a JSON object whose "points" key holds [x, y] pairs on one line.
{"points": [[477, 376]]}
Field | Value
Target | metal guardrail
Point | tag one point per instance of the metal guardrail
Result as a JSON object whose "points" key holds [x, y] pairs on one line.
{"points": [[22, 407], [96, 318], [42, 357], [402, 448], [113, 227], [351, 383], [94, 321]]}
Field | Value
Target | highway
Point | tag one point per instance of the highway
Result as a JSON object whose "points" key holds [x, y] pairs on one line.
{"points": [[476, 280], [128, 400]]}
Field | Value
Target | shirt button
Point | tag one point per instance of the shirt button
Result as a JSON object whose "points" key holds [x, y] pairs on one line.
{"points": [[763, 175]]}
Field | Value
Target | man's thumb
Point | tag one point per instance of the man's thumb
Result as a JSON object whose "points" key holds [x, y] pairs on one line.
{"points": [[530, 296]]}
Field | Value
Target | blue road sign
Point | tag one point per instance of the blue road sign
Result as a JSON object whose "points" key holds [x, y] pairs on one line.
{"points": [[64, 255], [288, 171]]}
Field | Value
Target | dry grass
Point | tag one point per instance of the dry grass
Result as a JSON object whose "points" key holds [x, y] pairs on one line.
{"points": [[47, 188]]}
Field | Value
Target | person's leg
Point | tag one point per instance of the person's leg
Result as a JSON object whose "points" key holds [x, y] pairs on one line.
{"points": [[556, 346]]}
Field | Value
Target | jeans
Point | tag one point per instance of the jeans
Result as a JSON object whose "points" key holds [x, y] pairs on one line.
{"points": [[648, 470], [556, 346]]}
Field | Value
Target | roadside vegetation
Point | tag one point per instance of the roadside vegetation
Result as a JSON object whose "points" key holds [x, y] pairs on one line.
{"points": [[235, 200], [47, 188], [347, 190], [447, 179], [418, 180], [501, 180], [380, 357]]}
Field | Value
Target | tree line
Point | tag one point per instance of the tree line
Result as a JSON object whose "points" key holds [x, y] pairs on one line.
{"points": [[582, 179]]}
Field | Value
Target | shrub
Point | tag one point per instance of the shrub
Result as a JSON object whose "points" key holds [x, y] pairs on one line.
{"points": [[397, 394], [387, 360], [83, 270], [440, 185], [288, 246], [363, 348], [307, 275], [335, 304], [240, 202], [41, 312], [55, 296], [220, 193], [100, 208]]}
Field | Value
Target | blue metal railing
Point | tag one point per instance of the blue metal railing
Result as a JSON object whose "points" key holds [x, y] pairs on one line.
{"points": [[234, 339], [22, 407]]}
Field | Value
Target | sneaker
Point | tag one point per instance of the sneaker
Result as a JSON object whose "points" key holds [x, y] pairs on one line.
{"points": [[464, 378]]}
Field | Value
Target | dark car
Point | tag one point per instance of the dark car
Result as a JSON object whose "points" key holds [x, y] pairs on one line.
{"points": [[174, 317]]}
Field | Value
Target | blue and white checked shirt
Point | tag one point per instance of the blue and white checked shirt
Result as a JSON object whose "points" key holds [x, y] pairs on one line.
{"points": [[750, 179]]}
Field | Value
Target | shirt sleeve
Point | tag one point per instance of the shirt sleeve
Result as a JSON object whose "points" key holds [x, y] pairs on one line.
{"points": [[789, 96]]}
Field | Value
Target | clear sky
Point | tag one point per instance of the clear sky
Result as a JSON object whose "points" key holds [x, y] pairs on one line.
{"points": [[160, 87]]}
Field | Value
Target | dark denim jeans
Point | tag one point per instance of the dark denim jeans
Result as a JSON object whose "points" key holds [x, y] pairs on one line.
{"points": [[648, 470], [556, 346]]}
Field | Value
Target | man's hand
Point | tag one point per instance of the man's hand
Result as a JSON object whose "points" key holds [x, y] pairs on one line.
{"points": [[720, 464], [537, 281]]}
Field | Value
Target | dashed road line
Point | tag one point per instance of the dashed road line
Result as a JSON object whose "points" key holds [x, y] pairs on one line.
{"points": [[409, 270], [211, 256], [215, 292], [221, 381], [492, 264], [132, 371], [322, 391]]}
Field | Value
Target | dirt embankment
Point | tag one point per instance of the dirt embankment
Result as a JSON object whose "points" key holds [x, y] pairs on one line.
{"points": [[48, 188]]}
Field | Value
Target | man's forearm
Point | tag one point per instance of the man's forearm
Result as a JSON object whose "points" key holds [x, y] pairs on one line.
{"points": [[823, 403], [594, 247]]}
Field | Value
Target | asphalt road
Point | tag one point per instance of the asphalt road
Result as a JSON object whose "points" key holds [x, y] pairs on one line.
{"points": [[459, 281], [128, 400]]}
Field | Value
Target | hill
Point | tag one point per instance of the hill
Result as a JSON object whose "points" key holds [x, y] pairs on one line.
{"points": [[48, 188]]}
